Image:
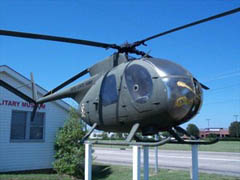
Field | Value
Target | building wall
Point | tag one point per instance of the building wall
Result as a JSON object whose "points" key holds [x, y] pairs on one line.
{"points": [[15, 156], [219, 132]]}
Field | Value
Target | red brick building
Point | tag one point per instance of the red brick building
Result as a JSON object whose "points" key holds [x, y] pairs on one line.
{"points": [[220, 132]]}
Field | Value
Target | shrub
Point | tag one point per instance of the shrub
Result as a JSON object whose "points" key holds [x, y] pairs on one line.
{"points": [[69, 152], [234, 129], [212, 136], [193, 130], [230, 139]]}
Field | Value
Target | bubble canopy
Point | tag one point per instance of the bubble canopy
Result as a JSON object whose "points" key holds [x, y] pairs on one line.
{"points": [[168, 68], [184, 96]]}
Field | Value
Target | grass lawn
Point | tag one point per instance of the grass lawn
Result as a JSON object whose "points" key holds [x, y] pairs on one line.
{"points": [[32, 177], [221, 146], [103, 172]]}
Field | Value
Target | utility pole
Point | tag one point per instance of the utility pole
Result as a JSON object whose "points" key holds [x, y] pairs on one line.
{"points": [[236, 116], [208, 120]]}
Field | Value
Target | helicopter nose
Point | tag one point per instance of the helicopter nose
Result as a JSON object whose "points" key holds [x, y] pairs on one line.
{"points": [[184, 93], [184, 97]]}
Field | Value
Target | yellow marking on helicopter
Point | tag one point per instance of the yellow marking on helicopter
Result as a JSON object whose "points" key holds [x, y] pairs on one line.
{"points": [[183, 100], [183, 84]]}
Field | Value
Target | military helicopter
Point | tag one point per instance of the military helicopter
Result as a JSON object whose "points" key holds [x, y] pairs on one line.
{"points": [[128, 94]]}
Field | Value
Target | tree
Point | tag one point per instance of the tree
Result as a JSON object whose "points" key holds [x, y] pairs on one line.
{"points": [[193, 130], [105, 136], [234, 129], [165, 134], [69, 152], [119, 136]]}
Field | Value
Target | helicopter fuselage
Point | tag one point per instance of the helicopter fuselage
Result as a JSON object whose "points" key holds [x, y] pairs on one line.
{"points": [[157, 94], [125, 94]]}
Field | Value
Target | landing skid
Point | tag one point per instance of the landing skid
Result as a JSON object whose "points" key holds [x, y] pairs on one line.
{"points": [[193, 140], [125, 143], [145, 142], [88, 133], [129, 140]]}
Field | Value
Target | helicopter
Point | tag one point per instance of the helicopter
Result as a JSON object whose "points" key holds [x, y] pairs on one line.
{"points": [[129, 94]]}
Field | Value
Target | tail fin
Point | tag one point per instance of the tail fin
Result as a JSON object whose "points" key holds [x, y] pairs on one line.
{"points": [[34, 90], [34, 97]]}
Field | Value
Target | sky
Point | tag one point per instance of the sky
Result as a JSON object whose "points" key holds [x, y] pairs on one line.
{"points": [[210, 51]]}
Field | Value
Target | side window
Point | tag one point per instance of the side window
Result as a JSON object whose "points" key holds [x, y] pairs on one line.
{"points": [[18, 125], [109, 90], [23, 129], [139, 83], [36, 126]]}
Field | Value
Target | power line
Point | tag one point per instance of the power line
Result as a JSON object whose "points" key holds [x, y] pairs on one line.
{"points": [[223, 76], [225, 87], [222, 102]]}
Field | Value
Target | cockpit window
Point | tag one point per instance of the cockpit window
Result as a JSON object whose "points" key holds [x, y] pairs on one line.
{"points": [[139, 83], [109, 90], [167, 68], [180, 96]]}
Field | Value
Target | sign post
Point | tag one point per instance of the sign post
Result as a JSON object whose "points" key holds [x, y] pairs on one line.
{"points": [[136, 162], [194, 162], [146, 162], [156, 154], [88, 161]]}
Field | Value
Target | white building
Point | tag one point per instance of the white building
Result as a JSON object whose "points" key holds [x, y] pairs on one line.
{"points": [[26, 144]]}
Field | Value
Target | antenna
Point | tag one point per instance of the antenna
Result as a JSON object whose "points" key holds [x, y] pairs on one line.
{"points": [[236, 117], [208, 120]]}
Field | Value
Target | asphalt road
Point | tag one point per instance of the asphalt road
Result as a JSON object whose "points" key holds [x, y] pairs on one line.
{"points": [[210, 162]]}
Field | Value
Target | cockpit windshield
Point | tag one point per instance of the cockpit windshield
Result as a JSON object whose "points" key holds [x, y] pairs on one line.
{"points": [[168, 68], [180, 96], [182, 93]]}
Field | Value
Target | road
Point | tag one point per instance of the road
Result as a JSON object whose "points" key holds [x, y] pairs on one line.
{"points": [[210, 162]]}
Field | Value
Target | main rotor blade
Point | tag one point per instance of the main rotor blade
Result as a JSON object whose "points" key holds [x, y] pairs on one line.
{"points": [[17, 92], [67, 82], [137, 43], [56, 38]]}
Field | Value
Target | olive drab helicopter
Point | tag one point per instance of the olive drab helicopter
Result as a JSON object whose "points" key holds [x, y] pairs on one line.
{"points": [[129, 94]]}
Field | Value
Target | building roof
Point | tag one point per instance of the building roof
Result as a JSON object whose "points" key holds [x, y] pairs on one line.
{"points": [[213, 128], [19, 77]]}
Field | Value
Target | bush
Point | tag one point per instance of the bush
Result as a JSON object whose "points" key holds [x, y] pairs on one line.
{"points": [[165, 134], [193, 130], [230, 139], [212, 136], [234, 129], [69, 152]]}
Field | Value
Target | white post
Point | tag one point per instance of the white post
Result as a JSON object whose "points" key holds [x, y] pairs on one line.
{"points": [[156, 159], [136, 163], [194, 162], [88, 161], [156, 154], [146, 162]]}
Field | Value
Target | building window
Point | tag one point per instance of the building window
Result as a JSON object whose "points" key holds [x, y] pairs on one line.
{"points": [[23, 129], [18, 126], [109, 90]]}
